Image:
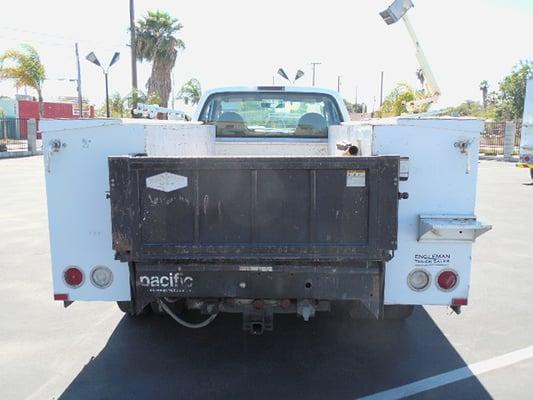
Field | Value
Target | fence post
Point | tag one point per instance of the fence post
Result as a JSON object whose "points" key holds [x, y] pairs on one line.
{"points": [[508, 140], [32, 135]]}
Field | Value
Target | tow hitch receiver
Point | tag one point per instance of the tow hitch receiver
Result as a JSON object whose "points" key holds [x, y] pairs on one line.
{"points": [[257, 320]]}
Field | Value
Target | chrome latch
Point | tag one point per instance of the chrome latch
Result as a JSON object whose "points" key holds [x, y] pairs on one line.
{"points": [[463, 146], [53, 147]]}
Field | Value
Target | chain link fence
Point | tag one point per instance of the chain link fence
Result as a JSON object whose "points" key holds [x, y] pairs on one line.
{"points": [[14, 135], [493, 137]]}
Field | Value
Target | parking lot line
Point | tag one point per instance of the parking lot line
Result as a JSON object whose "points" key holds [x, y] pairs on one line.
{"points": [[455, 375]]}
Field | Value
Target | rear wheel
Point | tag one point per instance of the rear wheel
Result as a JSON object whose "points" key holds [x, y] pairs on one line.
{"points": [[398, 312], [125, 306], [390, 312]]}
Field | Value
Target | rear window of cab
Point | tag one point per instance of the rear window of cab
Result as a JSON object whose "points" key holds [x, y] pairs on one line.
{"points": [[271, 114]]}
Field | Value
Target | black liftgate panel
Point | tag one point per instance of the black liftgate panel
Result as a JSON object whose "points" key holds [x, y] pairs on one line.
{"points": [[263, 209]]}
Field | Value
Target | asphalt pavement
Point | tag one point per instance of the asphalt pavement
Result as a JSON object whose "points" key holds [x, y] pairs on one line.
{"points": [[92, 351]]}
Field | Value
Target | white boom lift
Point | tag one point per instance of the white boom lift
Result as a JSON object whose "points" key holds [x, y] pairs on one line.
{"points": [[395, 12], [151, 110]]}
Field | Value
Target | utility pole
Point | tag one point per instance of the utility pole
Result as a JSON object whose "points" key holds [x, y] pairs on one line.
{"points": [[381, 91], [133, 51], [339, 83], [172, 87], [314, 64], [78, 87], [356, 95]]}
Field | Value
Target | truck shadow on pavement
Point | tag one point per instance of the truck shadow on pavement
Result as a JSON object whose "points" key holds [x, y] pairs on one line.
{"points": [[330, 357]]}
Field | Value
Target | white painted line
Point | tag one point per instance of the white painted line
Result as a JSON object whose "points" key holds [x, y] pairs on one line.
{"points": [[453, 376]]}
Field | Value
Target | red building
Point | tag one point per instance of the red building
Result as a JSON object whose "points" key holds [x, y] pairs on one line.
{"points": [[30, 109]]}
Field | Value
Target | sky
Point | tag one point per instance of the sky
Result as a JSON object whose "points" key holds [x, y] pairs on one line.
{"points": [[244, 42]]}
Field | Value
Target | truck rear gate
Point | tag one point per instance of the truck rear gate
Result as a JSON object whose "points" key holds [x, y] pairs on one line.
{"points": [[255, 227]]}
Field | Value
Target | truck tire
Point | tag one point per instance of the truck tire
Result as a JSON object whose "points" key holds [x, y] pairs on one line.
{"points": [[531, 172], [397, 312], [125, 306], [390, 312]]}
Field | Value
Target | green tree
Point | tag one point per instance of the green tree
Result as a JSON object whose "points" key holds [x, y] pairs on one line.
{"points": [[191, 91], [116, 106], [354, 108], [156, 42], [512, 91], [396, 101], [135, 97], [468, 108], [24, 67], [153, 99]]}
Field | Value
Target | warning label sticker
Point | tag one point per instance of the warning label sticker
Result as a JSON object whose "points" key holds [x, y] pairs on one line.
{"points": [[356, 178]]}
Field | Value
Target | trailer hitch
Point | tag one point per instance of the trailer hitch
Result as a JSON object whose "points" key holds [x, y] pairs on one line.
{"points": [[257, 320]]}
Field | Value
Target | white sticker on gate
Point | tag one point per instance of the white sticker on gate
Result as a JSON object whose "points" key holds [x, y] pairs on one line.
{"points": [[356, 178], [166, 182]]}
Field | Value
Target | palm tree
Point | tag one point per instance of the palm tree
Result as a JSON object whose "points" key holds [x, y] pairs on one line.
{"points": [[484, 87], [25, 69], [191, 91], [155, 42]]}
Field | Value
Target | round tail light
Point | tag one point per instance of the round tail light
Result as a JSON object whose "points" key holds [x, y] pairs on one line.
{"points": [[418, 280], [447, 280], [73, 277], [101, 277]]}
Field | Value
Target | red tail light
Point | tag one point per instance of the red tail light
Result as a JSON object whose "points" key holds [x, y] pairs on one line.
{"points": [[447, 280], [73, 277], [459, 302]]}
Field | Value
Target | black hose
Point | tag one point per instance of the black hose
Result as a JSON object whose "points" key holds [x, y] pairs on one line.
{"points": [[186, 324]]}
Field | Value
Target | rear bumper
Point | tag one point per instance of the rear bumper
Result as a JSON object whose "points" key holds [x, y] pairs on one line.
{"points": [[358, 281]]}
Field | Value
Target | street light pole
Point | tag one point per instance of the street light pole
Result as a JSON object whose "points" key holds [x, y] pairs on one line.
{"points": [[92, 58], [106, 94]]}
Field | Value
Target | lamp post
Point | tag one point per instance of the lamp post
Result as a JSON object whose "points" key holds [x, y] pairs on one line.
{"points": [[92, 58], [282, 73]]}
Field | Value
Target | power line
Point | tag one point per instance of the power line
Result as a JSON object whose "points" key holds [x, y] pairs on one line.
{"points": [[67, 41]]}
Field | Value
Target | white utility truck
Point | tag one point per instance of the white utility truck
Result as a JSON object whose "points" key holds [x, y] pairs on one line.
{"points": [[526, 135], [270, 201]]}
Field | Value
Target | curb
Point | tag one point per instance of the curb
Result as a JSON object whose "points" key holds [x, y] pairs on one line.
{"points": [[498, 158], [17, 154]]}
